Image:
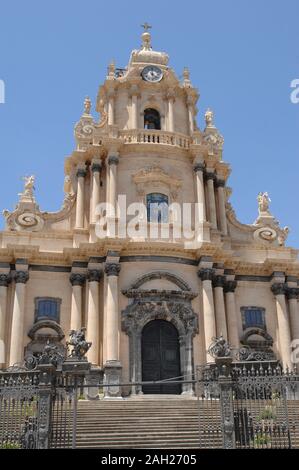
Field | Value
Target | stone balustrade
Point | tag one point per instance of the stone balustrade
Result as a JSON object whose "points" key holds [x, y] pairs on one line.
{"points": [[145, 136]]}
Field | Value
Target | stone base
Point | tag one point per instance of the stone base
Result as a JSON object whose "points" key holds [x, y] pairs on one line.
{"points": [[73, 366], [112, 375], [93, 381]]}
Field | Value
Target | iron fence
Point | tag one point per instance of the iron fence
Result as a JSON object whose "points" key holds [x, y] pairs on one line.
{"points": [[238, 405]]}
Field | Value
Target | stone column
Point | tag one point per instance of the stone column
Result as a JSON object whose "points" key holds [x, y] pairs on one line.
{"points": [[221, 327], [231, 314], [284, 334], [111, 330], [77, 280], [81, 173], [171, 99], [292, 295], [96, 167], [190, 116], [93, 315], [113, 161], [221, 204], [4, 281], [210, 176], [17, 327], [134, 95], [111, 108], [200, 190], [206, 275]]}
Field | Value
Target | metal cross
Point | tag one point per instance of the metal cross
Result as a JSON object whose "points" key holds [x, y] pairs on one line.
{"points": [[146, 26]]}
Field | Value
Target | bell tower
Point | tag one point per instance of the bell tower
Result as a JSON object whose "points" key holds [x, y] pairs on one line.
{"points": [[147, 94]]}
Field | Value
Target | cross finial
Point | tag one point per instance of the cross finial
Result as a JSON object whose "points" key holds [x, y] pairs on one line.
{"points": [[146, 26]]}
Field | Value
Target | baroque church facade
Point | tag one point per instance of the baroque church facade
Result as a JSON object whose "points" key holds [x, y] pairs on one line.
{"points": [[151, 305]]}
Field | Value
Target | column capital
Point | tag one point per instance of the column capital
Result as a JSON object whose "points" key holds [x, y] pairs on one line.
{"points": [[94, 275], [112, 269], [77, 279], [230, 286], [206, 274], [96, 166], [278, 288], [113, 160], [5, 279], [210, 175], [81, 173], [21, 277], [292, 293], [219, 183], [218, 280], [199, 167]]}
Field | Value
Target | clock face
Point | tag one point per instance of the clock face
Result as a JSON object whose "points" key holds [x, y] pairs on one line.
{"points": [[151, 73]]}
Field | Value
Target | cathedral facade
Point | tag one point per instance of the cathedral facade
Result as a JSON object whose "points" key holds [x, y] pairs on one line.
{"points": [[146, 252]]}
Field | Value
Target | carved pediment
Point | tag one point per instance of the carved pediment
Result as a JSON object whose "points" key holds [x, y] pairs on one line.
{"points": [[148, 177]]}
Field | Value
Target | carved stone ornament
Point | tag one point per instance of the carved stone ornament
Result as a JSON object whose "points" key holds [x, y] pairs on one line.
{"points": [[245, 353], [94, 275], [219, 348], [206, 274], [112, 269], [77, 279], [79, 344], [21, 277], [85, 127], [5, 279], [173, 306], [28, 217], [149, 177], [211, 137], [278, 288]]}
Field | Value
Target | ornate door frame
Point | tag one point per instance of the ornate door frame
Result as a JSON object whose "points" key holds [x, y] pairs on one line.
{"points": [[170, 305]]}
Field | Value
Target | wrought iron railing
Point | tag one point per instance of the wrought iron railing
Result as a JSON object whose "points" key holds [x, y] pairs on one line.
{"points": [[238, 405]]}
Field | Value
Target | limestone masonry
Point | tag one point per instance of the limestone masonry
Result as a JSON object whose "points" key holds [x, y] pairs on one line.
{"points": [[151, 306]]}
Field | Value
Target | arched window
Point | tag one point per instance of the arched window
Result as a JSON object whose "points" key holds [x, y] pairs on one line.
{"points": [[157, 207], [152, 119], [47, 308]]}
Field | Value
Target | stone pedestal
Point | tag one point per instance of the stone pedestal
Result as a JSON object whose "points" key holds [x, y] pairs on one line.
{"points": [[112, 376], [93, 380]]}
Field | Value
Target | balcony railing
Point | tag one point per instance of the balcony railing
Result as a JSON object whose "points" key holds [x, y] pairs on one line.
{"points": [[144, 136]]}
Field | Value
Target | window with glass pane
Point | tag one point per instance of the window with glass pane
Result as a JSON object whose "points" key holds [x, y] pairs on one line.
{"points": [[157, 207], [253, 317], [47, 309]]}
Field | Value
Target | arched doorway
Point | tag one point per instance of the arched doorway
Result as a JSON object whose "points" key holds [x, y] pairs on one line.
{"points": [[152, 119], [160, 351]]}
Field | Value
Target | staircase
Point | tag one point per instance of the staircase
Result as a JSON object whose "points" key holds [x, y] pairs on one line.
{"points": [[151, 422], [157, 422]]}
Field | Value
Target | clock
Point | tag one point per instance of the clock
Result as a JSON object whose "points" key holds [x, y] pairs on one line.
{"points": [[151, 73]]}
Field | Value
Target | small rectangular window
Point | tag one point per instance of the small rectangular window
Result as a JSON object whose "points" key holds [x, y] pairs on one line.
{"points": [[47, 309], [253, 317]]}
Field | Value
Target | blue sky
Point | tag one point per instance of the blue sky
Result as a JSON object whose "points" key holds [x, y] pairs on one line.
{"points": [[242, 56]]}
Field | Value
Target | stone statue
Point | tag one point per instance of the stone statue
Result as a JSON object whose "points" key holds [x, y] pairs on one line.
{"points": [[219, 348], [79, 343], [209, 118], [87, 105], [263, 202], [29, 186]]}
